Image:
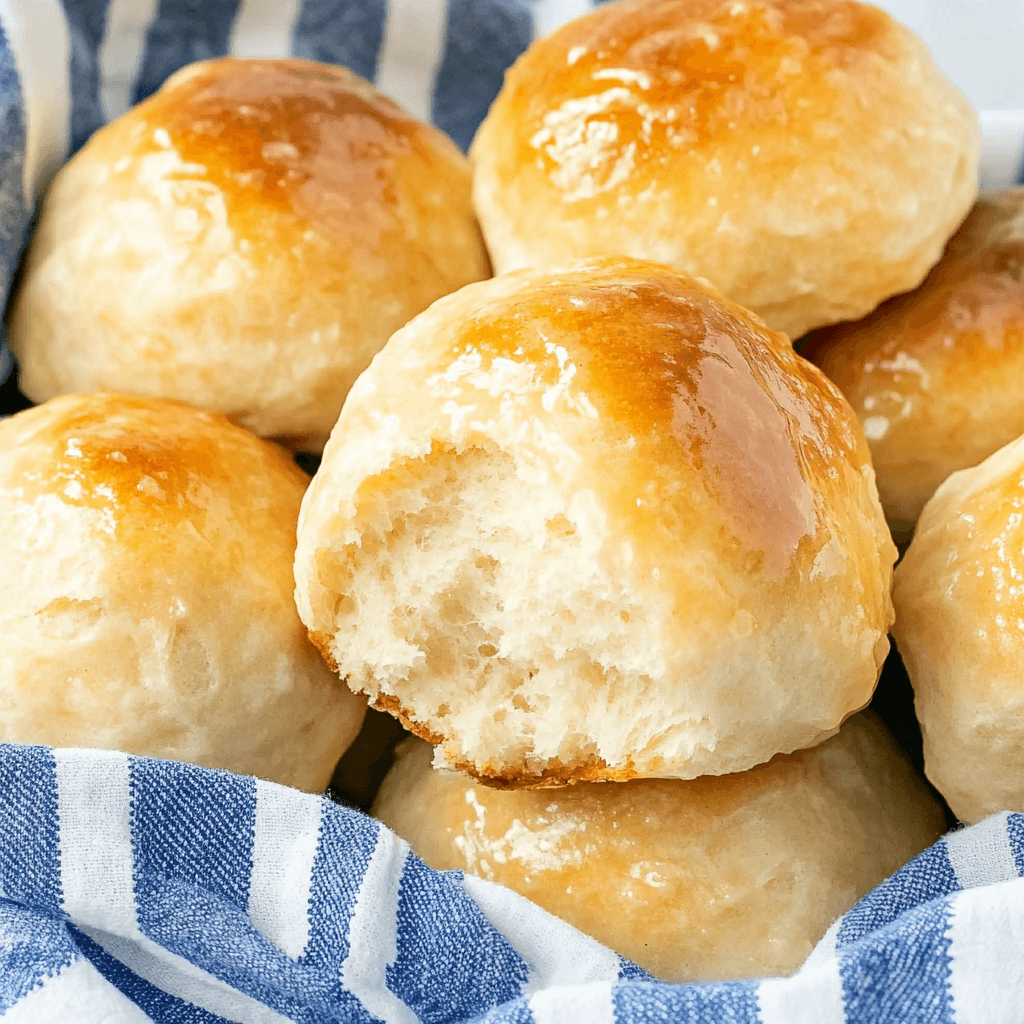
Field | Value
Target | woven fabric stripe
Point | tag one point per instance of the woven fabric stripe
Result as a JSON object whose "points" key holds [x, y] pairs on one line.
{"points": [[550, 14], [347, 842], [1015, 831], [194, 826], [14, 210], [34, 947], [372, 938], [927, 876], [483, 37], [86, 23], [629, 971], [193, 834], [182, 32], [154, 1004], [516, 1012], [982, 855], [647, 1003], [30, 851], [80, 986], [456, 967], [555, 953], [813, 996], [413, 42], [900, 973], [590, 1003], [39, 38], [348, 32], [286, 834], [94, 806], [986, 930], [262, 29], [120, 52]]}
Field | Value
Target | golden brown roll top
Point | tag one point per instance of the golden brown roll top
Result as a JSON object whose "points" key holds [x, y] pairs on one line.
{"points": [[598, 522], [720, 878], [806, 156], [933, 375], [959, 595], [245, 240], [146, 603]]}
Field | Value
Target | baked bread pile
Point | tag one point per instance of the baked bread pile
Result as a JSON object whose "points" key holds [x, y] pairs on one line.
{"points": [[592, 528], [806, 156], [598, 522]]}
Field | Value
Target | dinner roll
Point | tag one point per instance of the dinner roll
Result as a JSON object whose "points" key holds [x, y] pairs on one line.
{"points": [[716, 878], [598, 522], [807, 156], [146, 602], [244, 240], [933, 374], [960, 629]]}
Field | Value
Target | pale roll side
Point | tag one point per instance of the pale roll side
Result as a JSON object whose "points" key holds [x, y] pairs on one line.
{"points": [[713, 879], [933, 374], [959, 596], [146, 592]]}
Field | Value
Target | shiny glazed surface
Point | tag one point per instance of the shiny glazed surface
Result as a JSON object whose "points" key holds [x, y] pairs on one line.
{"points": [[807, 157], [933, 374], [246, 239], [697, 499], [711, 879], [145, 592]]}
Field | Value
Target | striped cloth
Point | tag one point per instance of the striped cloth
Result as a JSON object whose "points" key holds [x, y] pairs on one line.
{"points": [[136, 890]]}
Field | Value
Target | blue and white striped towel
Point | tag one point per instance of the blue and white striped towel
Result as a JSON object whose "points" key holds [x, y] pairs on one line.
{"points": [[136, 890]]}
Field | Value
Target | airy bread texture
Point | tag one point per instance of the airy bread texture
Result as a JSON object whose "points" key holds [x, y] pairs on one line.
{"points": [[244, 240], [598, 522], [933, 375], [716, 878], [146, 592], [960, 629], [807, 156]]}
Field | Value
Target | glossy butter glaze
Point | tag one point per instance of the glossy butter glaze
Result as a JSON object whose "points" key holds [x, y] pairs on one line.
{"points": [[807, 157], [704, 880], [245, 240], [601, 477], [931, 373]]}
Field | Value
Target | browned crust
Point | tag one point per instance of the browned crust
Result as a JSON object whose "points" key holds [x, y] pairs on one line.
{"points": [[393, 706], [322, 642], [554, 776]]}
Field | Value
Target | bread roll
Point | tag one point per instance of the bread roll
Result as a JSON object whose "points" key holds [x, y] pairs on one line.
{"points": [[598, 522], [807, 156], [933, 374], [244, 240], [707, 880], [146, 602], [960, 629]]}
